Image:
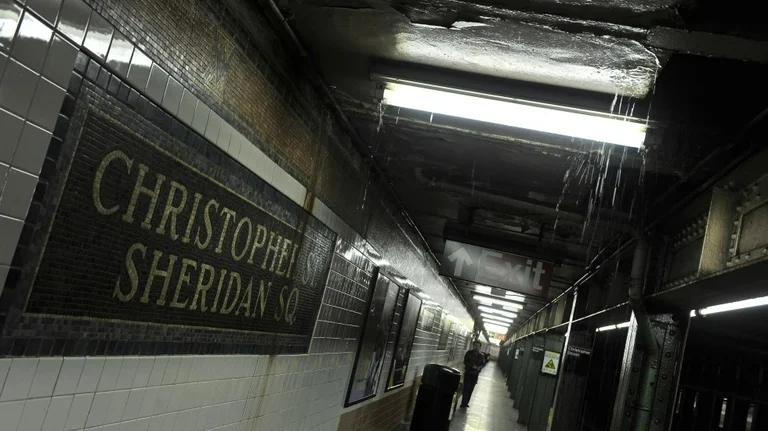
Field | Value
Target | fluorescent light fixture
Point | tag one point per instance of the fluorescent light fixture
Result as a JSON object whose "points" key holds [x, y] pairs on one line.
{"points": [[731, 306], [612, 327], [499, 318], [499, 324], [483, 289], [509, 305], [496, 321], [509, 296], [496, 311], [496, 329], [612, 129]]}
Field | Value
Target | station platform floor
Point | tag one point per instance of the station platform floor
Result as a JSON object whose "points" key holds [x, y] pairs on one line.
{"points": [[490, 408]]}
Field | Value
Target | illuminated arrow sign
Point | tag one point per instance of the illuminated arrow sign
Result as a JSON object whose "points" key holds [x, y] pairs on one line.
{"points": [[496, 268], [459, 258]]}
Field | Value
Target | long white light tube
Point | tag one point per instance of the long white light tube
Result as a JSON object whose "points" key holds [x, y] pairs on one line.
{"points": [[496, 311], [612, 327], [496, 322], [509, 305], [499, 318], [514, 297], [517, 113], [731, 306], [509, 296], [495, 328]]}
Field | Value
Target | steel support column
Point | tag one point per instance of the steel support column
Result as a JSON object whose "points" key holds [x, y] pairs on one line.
{"points": [[652, 356], [653, 412]]}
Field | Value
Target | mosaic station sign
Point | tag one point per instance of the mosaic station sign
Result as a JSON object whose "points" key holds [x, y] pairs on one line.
{"points": [[140, 235]]}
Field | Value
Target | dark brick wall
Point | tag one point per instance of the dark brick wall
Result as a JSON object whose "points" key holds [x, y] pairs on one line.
{"points": [[202, 44], [385, 414]]}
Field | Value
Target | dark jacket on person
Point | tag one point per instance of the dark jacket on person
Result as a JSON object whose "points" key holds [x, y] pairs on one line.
{"points": [[473, 359]]}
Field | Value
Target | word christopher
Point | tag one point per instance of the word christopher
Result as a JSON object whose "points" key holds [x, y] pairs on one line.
{"points": [[250, 258]]}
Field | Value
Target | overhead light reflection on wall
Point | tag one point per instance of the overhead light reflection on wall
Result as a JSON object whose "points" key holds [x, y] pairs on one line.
{"points": [[612, 129]]}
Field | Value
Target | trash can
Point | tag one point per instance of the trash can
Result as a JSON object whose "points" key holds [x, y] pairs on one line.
{"points": [[433, 403]]}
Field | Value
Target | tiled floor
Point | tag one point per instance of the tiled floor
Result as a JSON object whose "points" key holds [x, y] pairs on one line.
{"points": [[490, 408]]}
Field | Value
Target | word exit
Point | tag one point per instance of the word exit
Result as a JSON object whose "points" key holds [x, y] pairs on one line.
{"points": [[496, 268]]}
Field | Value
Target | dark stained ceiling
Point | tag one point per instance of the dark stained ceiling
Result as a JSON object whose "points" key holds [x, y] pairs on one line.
{"points": [[684, 65]]}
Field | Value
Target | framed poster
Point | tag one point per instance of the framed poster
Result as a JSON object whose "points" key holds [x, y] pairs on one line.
{"points": [[404, 343], [446, 328], [397, 320], [428, 318], [373, 343]]}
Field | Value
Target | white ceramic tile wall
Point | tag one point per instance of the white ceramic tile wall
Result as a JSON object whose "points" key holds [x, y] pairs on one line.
{"points": [[297, 392], [34, 68]]}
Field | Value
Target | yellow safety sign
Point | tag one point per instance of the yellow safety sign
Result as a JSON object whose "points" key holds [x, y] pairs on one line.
{"points": [[550, 363]]}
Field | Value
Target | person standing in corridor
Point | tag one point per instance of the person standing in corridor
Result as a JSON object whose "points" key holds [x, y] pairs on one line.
{"points": [[473, 363]]}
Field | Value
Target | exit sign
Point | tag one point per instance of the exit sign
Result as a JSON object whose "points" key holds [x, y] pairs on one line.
{"points": [[496, 268]]}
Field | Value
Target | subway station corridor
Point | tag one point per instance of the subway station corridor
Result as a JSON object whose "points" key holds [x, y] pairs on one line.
{"points": [[491, 408], [275, 215]]}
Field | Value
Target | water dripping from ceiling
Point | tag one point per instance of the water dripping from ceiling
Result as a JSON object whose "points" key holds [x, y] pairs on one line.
{"points": [[592, 168]]}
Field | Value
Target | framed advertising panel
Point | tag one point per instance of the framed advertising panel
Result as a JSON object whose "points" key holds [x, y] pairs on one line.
{"points": [[404, 343], [369, 360], [445, 332], [397, 320]]}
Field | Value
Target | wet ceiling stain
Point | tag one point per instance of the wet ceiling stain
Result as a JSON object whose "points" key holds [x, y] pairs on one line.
{"points": [[504, 48]]}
